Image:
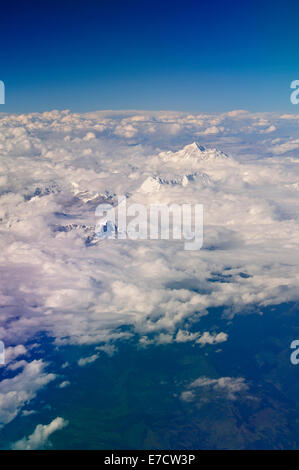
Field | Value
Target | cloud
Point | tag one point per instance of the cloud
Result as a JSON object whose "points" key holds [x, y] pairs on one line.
{"points": [[184, 336], [59, 165], [286, 147], [40, 437], [17, 391], [213, 130], [208, 338], [269, 129], [224, 387], [11, 353], [64, 384], [28, 412], [87, 360]]}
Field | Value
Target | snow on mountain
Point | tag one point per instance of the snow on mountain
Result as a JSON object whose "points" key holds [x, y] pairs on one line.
{"points": [[173, 173], [41, 190], [156, 183], [194, 153]]}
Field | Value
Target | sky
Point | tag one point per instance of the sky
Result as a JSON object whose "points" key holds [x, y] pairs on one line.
{"points": [[181, 55]]}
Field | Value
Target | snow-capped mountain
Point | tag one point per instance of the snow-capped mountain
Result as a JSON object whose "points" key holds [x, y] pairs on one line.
{"points": [[194, 153], [156, 183]]}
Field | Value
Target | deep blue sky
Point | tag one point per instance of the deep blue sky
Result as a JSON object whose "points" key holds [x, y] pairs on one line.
{"points": [[140, 54]]}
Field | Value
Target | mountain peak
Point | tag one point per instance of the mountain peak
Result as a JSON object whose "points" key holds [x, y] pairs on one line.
{"points": [[194, 146], [156, 183], [194, 153]]}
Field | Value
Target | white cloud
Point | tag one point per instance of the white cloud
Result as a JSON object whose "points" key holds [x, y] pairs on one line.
{"points": [[11, 353], [28, 412], [87, 360], [64, 384], [184, 336], [187, 396], [40, 437], [226, 387], [269, 129], [286, 147], [17, 391], [208, 338]]}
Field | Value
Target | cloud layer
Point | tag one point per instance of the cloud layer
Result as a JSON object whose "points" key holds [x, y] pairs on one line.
{"points": [[56, 167]]}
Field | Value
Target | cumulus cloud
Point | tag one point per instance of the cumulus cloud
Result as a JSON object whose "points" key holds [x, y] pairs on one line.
{"points": [[40, 437], [208, 338], [12, 352], [225, 387], [185, 336], [87, 360], [17, 391]]}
